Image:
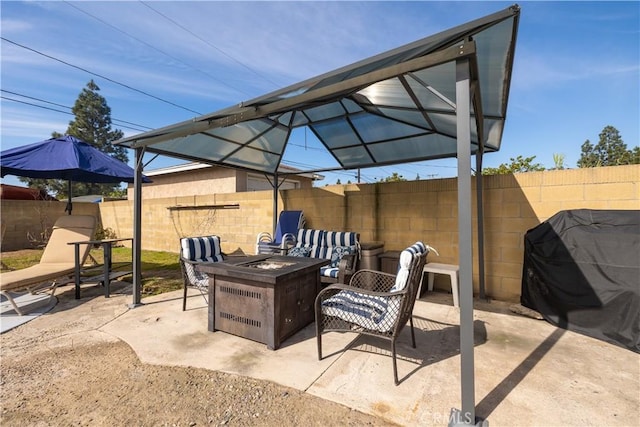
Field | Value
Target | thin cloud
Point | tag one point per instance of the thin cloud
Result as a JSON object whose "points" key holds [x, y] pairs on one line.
{"points": [[34, 126], [533, 71]]}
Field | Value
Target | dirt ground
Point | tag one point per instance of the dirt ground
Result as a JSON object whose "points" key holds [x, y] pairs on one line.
{"points": [[106, 385], [51, 376]]}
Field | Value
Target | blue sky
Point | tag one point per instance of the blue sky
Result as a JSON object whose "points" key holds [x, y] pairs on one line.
{"points": [[577, 66]]}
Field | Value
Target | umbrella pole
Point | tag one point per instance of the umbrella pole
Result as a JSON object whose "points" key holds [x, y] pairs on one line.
{"points": [[69, 204]]}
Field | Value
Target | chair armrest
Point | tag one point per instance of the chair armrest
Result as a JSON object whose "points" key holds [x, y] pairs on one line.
{"points": [[288, 240], [346, 268], [264, 237], [194, 263], [197, 263], [333, 289]]}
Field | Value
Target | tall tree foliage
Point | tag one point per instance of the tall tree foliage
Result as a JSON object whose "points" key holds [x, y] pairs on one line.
{"points": [[609, 151], [92, 124], [517, 165], [394, 177]]}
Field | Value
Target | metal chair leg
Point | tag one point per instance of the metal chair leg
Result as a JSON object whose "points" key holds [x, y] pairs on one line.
{"points": [[184, 298], [319, 339], [413, 335], [395, 366]]}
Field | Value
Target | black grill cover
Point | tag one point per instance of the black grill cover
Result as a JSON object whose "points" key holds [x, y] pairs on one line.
{"points": [[582, 272]]}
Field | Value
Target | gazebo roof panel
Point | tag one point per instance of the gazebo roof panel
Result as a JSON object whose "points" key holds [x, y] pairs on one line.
{"points": [[395, 107]]}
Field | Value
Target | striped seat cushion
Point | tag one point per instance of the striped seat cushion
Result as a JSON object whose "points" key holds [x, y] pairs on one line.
{"points": [[338, 243], [200, 249], [377, 313], [371, 312], [312, 239], [203, 249], [340, 238], [406, 256], [329, 271]]}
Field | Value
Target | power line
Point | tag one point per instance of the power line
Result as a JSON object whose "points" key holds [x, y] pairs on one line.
{"points": [[57, 111], [139, 127], [155, 48], [35, 105], [210, 44], [35, 99], [99, 75]]}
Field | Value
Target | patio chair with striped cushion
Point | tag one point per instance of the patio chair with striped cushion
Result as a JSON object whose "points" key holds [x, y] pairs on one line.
{"points": [[194, 251], [373, 303]]}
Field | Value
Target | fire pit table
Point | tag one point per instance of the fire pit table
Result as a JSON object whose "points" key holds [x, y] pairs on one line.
{"points": [[264, 298]]}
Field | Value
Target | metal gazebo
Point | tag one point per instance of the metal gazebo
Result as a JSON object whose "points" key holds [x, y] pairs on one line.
{"points": [[442, 96]]}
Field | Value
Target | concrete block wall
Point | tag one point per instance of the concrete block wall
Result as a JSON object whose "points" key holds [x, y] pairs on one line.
{"points": [[236, 217], [516, 203], [34, 216], [401, 213], [396, 213]]}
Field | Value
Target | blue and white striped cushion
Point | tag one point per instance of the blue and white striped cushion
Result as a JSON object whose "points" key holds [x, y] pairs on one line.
{"points": [[406, 257], [309, 237], [329, 271], [340, 238], [417, 248], [312, 239], [371, 312], [206, 249], [200, 249]]}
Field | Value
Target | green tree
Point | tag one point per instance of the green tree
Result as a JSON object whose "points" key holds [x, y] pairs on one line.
{"points": [[394, 177], [609, 151], [92, 124], [558, 161], [517, 165]]}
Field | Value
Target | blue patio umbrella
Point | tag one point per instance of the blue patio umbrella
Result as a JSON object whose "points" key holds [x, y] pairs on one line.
{"points": [[67, 158]]}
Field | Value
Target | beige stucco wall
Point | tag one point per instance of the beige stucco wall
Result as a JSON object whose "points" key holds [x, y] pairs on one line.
{"points": [[194, 182], [396, 213], [201, 182]]}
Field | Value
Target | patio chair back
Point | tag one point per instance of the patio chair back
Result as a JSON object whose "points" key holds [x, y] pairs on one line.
{"points": [[411, 266], [289, 222], [195, 250], [374, 303], [57, 260], [69, 228]]}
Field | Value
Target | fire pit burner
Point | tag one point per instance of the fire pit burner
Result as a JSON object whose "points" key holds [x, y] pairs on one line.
{"points": [[269, 265]]}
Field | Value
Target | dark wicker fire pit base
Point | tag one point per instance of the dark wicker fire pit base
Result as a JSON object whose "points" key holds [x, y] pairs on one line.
{"points": [[263, 298]]}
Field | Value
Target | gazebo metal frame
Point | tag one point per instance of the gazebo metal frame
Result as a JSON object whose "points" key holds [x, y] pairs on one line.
{"points": [[442, 96]]}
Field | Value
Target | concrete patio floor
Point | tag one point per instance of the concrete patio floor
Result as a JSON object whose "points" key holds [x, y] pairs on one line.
{"points": [[527, 372]]}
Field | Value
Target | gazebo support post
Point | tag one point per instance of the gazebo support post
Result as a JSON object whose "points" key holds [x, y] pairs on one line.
{"points": [[137, 230], [480, 214], [466, 416], [276, 186]]}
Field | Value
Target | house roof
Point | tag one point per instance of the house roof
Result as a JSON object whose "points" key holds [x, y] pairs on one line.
{"points": [[396, 107], [187, 167]]}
